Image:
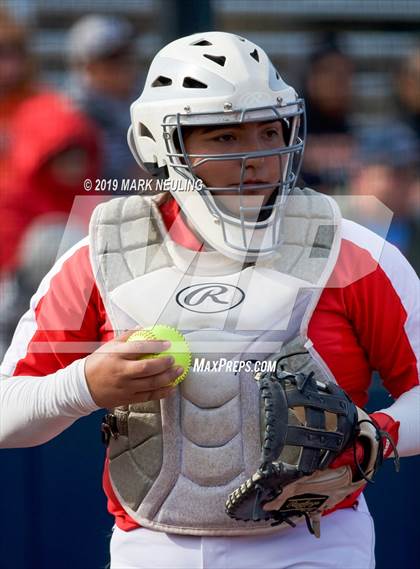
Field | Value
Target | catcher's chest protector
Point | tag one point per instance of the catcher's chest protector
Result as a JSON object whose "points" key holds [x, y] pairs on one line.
{"points": [[176, 460]]}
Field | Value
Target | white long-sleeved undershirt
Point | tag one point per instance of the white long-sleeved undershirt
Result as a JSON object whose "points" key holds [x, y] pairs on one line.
{"points": [[33, 410], [406, 410]]}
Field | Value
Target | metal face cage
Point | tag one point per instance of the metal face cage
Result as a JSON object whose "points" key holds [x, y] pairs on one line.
{"points": [[250, 219]]}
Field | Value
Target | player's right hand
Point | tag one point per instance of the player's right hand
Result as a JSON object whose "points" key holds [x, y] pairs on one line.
{"points": [[115, 375]]}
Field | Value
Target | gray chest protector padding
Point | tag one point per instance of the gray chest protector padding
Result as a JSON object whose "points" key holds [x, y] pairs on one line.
{"points": [[176, 460]]}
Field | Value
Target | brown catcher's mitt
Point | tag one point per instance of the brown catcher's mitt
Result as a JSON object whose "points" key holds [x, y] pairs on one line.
{"points": [[305, 425]]}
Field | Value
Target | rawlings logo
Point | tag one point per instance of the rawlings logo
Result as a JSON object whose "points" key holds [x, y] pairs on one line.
{"points": [[209, 298], [304, 503]]}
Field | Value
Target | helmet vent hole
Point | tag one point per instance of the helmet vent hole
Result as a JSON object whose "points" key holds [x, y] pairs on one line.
{"points": [[277, 75], [190, 83], [202, 42], [219, 59], [241, 39], [255, 55], [162, 81], [144, 131]]}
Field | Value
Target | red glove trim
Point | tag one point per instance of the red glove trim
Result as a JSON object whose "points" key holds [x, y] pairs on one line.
{"points": [[346, 458]]}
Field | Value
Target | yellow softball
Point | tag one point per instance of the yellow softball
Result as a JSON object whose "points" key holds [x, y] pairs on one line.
{"points": [[179, 348]]}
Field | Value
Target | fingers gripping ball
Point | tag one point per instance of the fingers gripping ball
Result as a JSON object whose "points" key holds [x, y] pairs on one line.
{"points": [[179, 348]]}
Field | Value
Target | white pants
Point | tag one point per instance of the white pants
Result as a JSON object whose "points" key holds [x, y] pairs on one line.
{"points": [[347, 541]]}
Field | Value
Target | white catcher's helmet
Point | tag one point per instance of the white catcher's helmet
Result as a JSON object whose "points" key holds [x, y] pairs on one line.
{"points": [[209, 79]]}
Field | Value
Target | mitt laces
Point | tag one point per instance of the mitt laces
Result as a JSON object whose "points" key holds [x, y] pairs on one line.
{"points": [[282, 367], [311, 521], [380, 437]]}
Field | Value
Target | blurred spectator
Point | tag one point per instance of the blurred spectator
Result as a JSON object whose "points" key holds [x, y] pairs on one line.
{"points": [[55, 148], [388, 170], [104, 82], [16, 77], [408, 90], [330, 142], [38, 252], [408, 99], [413, 248]]}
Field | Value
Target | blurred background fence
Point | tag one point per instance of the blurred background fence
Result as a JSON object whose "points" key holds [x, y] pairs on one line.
{"points": [[376, 34]]}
